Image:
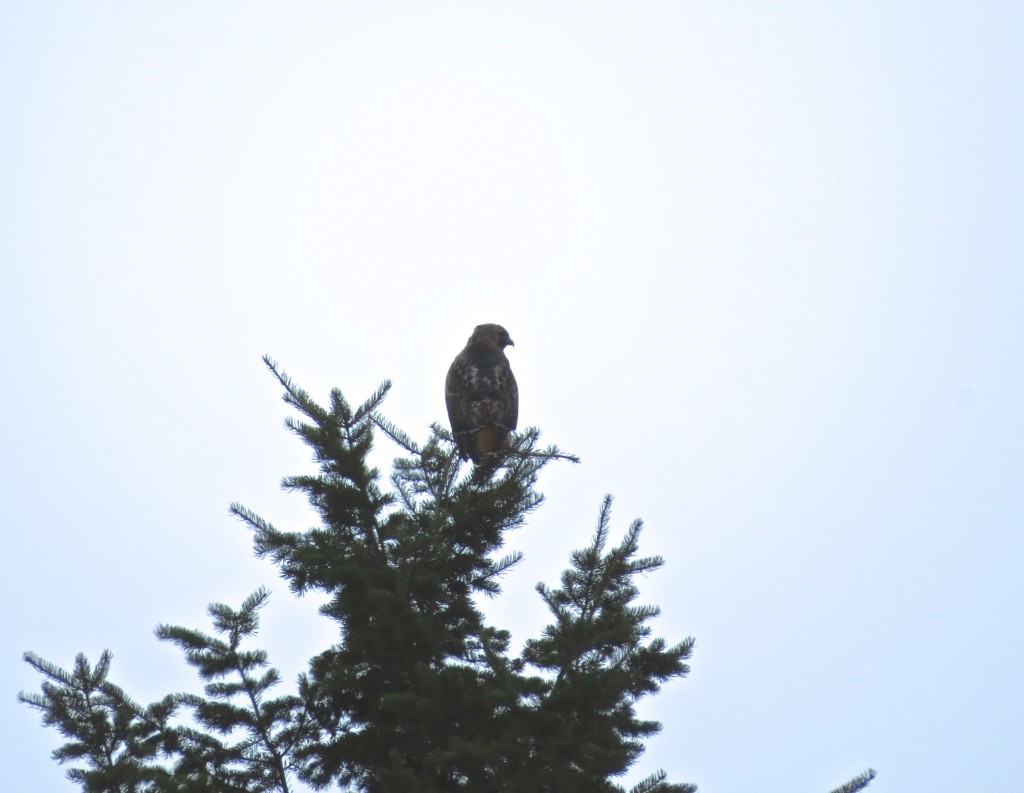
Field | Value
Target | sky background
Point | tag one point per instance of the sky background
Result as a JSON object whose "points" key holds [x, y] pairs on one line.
{"points": [[763, 264]]}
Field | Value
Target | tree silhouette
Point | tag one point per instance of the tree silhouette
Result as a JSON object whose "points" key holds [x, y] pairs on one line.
{"points": [[420, 694]]}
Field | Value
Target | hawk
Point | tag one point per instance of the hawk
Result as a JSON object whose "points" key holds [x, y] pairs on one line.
{"points": [[481, 394]]}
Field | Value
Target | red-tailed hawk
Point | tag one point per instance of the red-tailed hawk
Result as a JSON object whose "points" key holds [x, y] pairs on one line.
{"points": [[481, 393]]}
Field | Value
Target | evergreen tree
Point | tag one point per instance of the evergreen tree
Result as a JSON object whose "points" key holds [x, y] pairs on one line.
{"points": [[420, 694]]}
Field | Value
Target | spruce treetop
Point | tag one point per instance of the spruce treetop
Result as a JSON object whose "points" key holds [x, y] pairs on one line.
{"points": [[419, 693]]}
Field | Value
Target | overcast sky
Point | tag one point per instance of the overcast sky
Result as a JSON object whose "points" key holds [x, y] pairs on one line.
{"points": [[763, 264]]}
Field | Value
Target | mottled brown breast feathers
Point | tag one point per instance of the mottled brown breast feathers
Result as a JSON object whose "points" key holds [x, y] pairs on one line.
{"points": [[482, 394]]}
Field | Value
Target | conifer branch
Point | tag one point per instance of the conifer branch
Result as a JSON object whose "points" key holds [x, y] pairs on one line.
{"points": [[368, 409], [599, 642], [295, 396], [119, 740], [398, 436], [656, 783], [261, 759], [858, 783], [525, 444]]}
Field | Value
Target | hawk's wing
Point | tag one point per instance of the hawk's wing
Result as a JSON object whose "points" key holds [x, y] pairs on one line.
{"points": [[480, 391]]}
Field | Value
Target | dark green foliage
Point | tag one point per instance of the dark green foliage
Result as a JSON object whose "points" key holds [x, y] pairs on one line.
{"points": [[227, 746], [234, 746], [598, 662], [858, 783], [117, 739], [419, 694], [422, 693]]}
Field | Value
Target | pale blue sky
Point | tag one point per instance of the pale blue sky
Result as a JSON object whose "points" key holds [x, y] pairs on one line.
{"points": [[763, 263]]}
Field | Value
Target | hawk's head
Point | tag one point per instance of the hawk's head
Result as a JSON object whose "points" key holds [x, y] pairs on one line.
{"points": [[490, 335]]}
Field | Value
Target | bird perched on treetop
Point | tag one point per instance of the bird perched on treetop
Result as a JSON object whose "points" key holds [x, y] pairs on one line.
{"points": [[481, 393]]}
